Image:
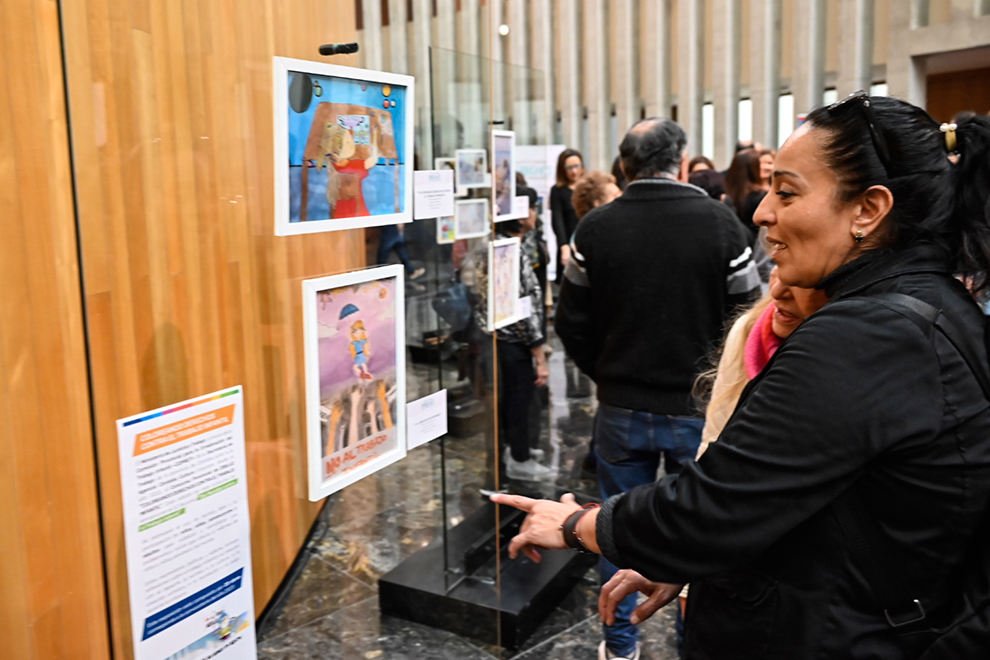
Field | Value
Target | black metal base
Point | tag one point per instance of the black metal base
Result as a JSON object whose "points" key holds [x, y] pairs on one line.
{"points": [[417, 590]]}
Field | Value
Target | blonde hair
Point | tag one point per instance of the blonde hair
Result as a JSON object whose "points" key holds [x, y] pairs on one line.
{"points": [[728, 380]]}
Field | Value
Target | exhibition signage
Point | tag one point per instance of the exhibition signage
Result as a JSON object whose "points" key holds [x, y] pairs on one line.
{"points": [[434, 194], [427, 418], [187, 529]]}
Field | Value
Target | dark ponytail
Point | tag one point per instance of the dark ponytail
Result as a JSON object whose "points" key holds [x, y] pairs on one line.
{"points": [[972, 203], [934, 200]]}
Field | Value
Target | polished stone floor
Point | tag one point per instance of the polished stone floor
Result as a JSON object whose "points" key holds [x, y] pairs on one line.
{"points": [[331, 609]]}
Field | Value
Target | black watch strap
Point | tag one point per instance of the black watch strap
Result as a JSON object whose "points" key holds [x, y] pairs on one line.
{"points": [[569, 529]]}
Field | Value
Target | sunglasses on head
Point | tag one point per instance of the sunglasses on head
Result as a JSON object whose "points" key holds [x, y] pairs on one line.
{"points": [[861, 99]]}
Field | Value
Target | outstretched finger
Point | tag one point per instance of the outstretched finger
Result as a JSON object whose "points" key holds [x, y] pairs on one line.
{"points": [[517, 501]]}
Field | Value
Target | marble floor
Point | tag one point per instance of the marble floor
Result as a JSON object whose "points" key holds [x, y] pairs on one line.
{"points": [[331, 609]]}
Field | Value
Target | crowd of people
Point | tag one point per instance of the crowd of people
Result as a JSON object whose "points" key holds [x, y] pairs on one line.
{"points": [[795, 345]]}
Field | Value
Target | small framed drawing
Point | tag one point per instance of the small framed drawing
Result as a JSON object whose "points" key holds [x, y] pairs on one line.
{"points": [[503, 282], [472, 168], [446, 230], [450, 164], [354, 334], [471, 218], [343, 147], [504, 166]]}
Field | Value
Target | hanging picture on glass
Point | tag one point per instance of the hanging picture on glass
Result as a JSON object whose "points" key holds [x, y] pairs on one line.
{"points": [[343, 147], [450, 164], [472, 168], [355, 376], [503, 282], [504, 166], [471, 218], [446, 230]]}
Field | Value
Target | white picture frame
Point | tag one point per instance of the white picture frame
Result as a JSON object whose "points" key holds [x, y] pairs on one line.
{"points": [[355, 392], [320, 107], [472, 218], [472, 169], [503, 175], [503, 282]]}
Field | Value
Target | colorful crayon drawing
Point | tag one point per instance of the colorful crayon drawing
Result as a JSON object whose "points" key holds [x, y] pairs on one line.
{"points": [[356, 359], [343, 147]]}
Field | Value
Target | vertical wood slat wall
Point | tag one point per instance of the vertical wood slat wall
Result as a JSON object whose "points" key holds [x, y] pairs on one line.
{"points": [[51, 579], [187, 290]]}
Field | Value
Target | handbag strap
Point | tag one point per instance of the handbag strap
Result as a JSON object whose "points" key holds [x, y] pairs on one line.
{"points": [[869, 548]]}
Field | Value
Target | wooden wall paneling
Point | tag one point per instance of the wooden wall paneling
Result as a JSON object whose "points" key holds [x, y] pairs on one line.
{"points": [[51, 579], [187, 288]]}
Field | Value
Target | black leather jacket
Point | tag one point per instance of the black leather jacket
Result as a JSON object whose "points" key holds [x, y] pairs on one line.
{"points": [[858, 396]]}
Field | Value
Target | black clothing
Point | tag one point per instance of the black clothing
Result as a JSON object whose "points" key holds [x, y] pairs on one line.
{"points": [[747, 209], [655, 275], [563, 220], [858, 397]]}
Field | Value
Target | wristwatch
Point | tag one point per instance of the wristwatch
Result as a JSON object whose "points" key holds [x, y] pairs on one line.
{"points": [[569, 529]]}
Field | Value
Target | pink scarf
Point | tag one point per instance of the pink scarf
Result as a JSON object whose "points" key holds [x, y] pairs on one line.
{"points": [[761, 343]]}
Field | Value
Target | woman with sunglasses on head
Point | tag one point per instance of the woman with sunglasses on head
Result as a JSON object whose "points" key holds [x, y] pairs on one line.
{"points": [[563, 219], [842, 512]]}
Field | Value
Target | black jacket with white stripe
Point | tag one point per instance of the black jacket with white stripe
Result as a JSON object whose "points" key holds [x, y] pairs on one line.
{"points": [[654, 278]]}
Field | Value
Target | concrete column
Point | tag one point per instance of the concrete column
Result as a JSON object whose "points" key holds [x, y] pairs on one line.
{"points": [[856, 45], [691, 81], [595, 86], [541, 59], [808, 79], [624, 93], [371, 46], [446, 24], [964, 9], [726, 51], [419, 50], [765, 69], [519, 95], [398, 44], [568, 92], [492, 17], [654, 43], [906, 78]]}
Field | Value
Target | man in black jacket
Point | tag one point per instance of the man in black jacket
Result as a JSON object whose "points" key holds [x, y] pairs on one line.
{"points": [[653, 278]]}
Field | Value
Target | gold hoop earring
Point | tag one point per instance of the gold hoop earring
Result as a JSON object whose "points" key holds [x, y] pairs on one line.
{"points": [[859, 236]]}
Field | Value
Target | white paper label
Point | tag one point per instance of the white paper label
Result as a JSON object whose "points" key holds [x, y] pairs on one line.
{"points": [[433, 194], [427, 418]]}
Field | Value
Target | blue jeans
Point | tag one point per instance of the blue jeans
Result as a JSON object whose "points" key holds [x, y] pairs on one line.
{"points": [[389, 239], [629, 445]]}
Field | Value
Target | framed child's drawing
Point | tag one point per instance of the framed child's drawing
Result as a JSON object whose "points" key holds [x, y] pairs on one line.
{"points": [[503, 282], [343, 147], [471, 218], [504, 166], [354, 332]]}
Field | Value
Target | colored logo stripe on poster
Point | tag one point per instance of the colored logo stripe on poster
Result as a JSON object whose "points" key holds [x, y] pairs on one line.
{"points": [[186, 607]]}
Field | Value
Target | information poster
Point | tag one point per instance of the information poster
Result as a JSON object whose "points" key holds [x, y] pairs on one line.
{"points": [[187, 530], [538, 163]]}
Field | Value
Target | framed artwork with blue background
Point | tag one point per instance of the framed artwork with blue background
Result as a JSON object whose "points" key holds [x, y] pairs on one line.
{"points": [[343, 147]]}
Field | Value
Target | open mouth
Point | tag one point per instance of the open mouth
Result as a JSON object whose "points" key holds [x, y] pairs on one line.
{"points": [[775, 247]]}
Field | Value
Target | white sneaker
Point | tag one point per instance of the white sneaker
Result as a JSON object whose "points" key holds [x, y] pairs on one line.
{"points": [[536, 454], [526, 470], [605, 654]]}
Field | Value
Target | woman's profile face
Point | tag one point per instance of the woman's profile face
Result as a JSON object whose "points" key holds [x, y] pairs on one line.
{"points": [[574, 168], [809, 228], [793, 305]]}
